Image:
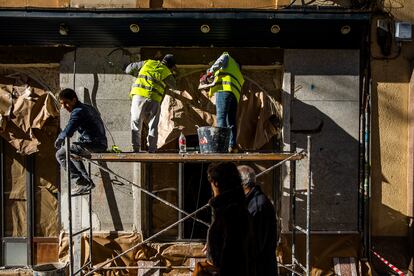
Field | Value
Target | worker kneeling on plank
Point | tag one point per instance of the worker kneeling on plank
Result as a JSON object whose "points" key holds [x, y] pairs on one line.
{"points": [[229, 237], [264, 223], [86, 120], [152, 79], [228, 83]]}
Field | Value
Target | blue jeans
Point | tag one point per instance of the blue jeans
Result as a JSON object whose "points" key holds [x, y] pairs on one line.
{"points": [[226, 112], [76, 167]]}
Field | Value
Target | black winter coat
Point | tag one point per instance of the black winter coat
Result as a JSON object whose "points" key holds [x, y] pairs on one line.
{"points": [[228, 238], [265, 232]]}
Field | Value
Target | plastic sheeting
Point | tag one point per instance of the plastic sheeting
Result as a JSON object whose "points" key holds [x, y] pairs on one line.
{"points": [[105, 246], [29, 120], [32, 105], [259, 110]]}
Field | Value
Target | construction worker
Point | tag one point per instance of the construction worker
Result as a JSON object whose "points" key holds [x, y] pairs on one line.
{"points": [[264, 223], [86, 120], [152, 79], [228, 82]]}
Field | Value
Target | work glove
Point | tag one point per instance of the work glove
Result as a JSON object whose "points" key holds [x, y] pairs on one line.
{"points": [[206, 78], [59, 143]]}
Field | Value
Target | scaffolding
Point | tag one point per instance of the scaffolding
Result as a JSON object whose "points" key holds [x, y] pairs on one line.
{"points": [[95, 158]]}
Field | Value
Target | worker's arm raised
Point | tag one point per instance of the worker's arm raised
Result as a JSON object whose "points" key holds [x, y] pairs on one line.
{"points": [[171, 82], [133, 68], [220, 63]]}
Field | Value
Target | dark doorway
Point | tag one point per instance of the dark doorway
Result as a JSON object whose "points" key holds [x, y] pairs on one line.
{"points": [[197, 192]]}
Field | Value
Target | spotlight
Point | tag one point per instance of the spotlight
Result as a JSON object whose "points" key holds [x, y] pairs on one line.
{"points": [[134, 28], [345, 29], [205, 28], [63, 29], [275, 29]]}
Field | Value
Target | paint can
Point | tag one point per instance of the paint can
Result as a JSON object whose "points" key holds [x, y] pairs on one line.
{"points": [[214, 139]]}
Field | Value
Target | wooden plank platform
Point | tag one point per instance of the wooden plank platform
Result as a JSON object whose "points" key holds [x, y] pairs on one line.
{"points": [[190, 157]]}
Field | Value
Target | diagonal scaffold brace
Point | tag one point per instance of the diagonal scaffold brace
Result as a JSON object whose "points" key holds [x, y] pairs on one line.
{"points": [[148, 239], [188, 215], [142, 189]]}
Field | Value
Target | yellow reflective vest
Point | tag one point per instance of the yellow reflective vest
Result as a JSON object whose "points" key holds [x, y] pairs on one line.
{"points": [[150, 81], [228, 79]]}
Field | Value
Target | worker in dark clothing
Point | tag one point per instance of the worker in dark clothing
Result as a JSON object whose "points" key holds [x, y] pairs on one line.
{"points": [[264, 223], [153, 77], [86, 120], [229, 236]]}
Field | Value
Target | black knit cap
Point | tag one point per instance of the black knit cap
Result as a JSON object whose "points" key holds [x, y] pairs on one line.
{"points": [[169, 60]]}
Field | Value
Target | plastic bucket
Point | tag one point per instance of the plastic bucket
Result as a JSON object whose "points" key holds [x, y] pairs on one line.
{"points": [[52, 269], [213, 139]]}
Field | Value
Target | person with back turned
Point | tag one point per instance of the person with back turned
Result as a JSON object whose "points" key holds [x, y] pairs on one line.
{"points": [[86, 120], [229, 236], [152, 79], [227, 83], [264, 223]]}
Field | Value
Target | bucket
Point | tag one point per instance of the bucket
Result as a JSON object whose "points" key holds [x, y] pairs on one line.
{"points": [[214, 139], [52, 269]]}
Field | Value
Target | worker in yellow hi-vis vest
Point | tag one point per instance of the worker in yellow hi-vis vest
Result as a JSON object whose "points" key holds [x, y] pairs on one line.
{"points": [[228, 83], [153, 77]]}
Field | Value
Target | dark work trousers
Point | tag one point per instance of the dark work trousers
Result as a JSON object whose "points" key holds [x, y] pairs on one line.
{"points": [[76, 167], [226, 111]]}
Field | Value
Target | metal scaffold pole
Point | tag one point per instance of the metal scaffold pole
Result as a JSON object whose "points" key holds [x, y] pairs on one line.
{"points": [[70, 217], [148, 239], [308, 207], [90, 220], [295, 228], [293, 208], [283, 158], [67, 147]]}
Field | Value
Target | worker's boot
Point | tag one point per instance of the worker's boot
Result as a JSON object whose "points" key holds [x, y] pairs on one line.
{"points": [[235, 149], [83, 186]]}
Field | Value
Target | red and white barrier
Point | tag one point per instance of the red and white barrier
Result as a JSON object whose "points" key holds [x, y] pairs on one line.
{"points": [[390, 265]]}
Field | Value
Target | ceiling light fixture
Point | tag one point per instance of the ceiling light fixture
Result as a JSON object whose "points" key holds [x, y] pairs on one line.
{"points": [[63, 29], [134, 28], [345, 29], [275, 29], [205, 28]]}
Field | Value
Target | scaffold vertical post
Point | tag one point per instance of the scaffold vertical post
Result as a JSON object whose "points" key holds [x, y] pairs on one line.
{"points": [[308, 206], [69, 191], [292, 193], [90, 220], [180, 199]]}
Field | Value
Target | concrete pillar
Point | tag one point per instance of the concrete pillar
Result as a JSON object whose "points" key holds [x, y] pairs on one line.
{"points": [[325, 84]]}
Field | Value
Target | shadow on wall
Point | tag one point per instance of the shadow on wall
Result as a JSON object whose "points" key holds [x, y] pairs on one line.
{"points": [[334, 170], [335, 182], [107, 182]]}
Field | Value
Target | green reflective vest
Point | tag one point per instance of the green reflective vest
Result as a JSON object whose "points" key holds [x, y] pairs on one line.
{"points": [[229, 79], [149, 83]]}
